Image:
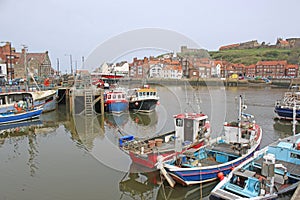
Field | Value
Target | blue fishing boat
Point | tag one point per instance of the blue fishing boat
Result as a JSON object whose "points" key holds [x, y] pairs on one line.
{"points": [[46, 99], [270, 173], [284, 107], [16, 116], [115, 101], [273, 171], [213, 161]]}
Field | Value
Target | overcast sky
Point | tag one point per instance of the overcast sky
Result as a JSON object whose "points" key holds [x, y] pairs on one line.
{"points": [[79, 27]]}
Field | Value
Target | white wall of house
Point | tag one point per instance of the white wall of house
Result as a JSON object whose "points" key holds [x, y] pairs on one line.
{"points": [[156, 71], [3, 71]]}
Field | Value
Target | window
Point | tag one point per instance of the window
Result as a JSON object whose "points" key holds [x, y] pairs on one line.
{"points": [[293, 155], [114, 96], [108, 96], [179, 122]]}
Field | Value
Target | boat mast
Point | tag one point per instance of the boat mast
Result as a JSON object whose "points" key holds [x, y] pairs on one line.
{"points": [[294, 118], [239, 119]]}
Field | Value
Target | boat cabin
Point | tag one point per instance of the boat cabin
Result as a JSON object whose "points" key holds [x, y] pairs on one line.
{"points": [[10, 98], [114, 96], [286, 151], [190, 127]]}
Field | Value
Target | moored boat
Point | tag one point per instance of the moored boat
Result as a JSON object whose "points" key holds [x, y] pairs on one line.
{"points": [[284, 106], [214, 160], [115, 101], [16, 116], [143, 99], [192, 130], [46, 98], [273, 171]]}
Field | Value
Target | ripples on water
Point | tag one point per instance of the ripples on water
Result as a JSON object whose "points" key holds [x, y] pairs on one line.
{"points": [[53, 161]]}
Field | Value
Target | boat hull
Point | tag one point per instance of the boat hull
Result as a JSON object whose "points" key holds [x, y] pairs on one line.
{"points": [[11, 118], [197, 176], [147, 105], [116, 107], [46, 99], [286, 113]]}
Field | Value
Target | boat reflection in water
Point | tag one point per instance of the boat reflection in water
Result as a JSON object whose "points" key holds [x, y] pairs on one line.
{"points": [[116, 120], [144, 119], [16, 127], [28, 130], [181, 192], [148, 185], [139, 185], [284, 127]]}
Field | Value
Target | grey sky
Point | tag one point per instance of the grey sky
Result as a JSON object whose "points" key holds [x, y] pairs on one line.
{"points": [[78, 27]]}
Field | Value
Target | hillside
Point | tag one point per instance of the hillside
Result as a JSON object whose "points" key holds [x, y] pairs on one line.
{"points": [[251, 56]]}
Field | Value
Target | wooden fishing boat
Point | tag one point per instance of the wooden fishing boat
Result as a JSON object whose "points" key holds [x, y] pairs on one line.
{"points": [[115, 101], [192, 130], [46, 98], [16, 116], [143, 99], [217, 158]]}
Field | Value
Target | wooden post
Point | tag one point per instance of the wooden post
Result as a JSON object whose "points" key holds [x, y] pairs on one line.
{"points": [[70, 99], [102, 107]]}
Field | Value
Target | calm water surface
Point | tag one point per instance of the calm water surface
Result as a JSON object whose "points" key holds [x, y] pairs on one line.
{"points": [[77, 158]]}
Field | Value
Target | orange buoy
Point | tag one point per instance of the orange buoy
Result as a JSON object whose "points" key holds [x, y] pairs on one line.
{"points": [[221, 176], [298, 146]]}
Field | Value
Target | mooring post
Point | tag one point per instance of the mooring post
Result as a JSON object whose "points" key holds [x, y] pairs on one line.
{"points": [[102, 107]]}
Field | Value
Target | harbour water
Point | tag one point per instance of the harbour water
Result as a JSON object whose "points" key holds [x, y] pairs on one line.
{"points": [[66, 157]]}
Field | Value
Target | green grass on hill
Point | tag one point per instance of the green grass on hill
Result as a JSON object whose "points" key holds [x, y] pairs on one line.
{"points": [[252, 56]]}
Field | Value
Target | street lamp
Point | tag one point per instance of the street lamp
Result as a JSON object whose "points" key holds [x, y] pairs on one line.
{"points": [[70, 55], [9, 71], [25, 66]]}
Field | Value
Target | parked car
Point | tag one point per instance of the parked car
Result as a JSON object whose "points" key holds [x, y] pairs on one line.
{"points": [[17, 81]]}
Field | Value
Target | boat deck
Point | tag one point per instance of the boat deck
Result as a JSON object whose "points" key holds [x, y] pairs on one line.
{"points": [[225, 148], [291, 168]]}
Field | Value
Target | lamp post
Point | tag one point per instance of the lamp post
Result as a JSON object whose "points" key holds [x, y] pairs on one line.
{"points": [[70, 55], [9, 70], [25, 67]]}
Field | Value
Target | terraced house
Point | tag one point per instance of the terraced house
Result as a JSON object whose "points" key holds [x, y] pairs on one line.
{"points": [[12, 63]]}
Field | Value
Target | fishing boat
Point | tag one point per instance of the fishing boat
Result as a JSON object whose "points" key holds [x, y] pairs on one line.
{"points": [[216, 159], [46, 98], [115, 101], [273, 171], [143, 99], [16, 116], [284, 106], [192, 130]]}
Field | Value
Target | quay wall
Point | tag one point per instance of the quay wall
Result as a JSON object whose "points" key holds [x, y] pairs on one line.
{"points": [[208, 82]]}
